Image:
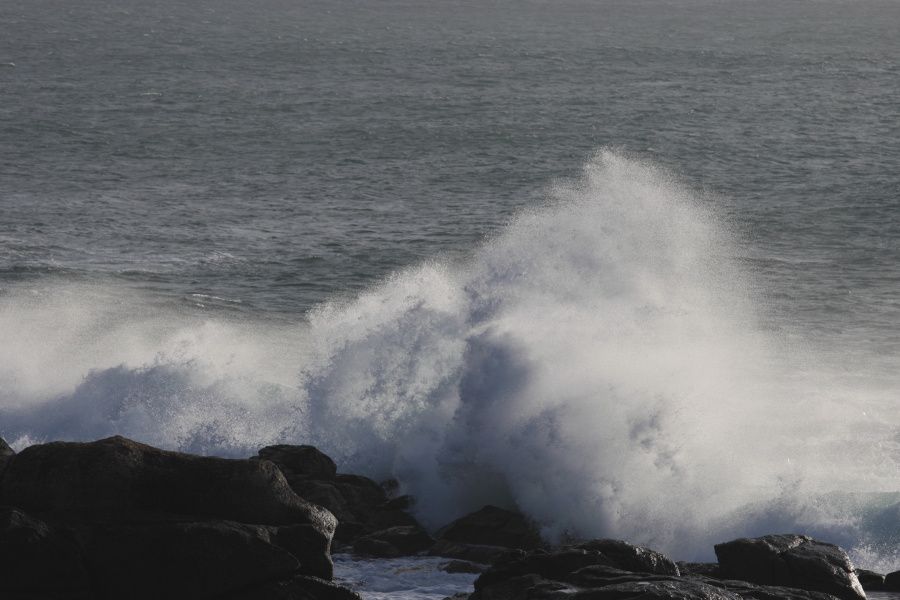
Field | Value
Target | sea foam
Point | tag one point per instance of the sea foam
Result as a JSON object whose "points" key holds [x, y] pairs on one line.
{"points": [[601, 364]]}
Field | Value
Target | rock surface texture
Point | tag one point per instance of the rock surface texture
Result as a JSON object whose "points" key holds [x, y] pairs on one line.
{"points": [[117, 519], [789, 560]]}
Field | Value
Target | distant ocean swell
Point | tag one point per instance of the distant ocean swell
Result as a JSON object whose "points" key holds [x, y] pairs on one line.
{"points": [[599, 364]]}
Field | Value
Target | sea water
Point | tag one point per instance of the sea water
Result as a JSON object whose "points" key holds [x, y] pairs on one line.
{"points": [[629, 267]]}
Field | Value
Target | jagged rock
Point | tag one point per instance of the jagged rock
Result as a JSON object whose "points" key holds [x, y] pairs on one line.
{"points": [[117, 475], [361, 493], [666, 589], [471, 552], [461, 566], [37, 561], [493, 526], [394, 541], [305, 462], [750, 591], [870, 580], [790, 560]]}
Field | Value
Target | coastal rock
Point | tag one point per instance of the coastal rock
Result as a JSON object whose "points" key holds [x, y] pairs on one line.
{"points": [[302, 462], [892, 582], [117, 475], [37, 561], [750, 591], [471, 552], [299, 587], [394, 541], [696, 568], [6, 453], [790, 560], [461, 566], [493, 526], [562, 563], [870, 580]]}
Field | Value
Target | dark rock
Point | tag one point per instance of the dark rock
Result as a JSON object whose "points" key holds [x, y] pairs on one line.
{"points": [[627, 557], [665, 589], [118, 475], [750, 591], [458, 596], [471, 552], [6, 453], [404, 540], [296, 588], [300, 461], [151, 560], [326, 494], [461, 566], [695, 568], [361, 494], [892, 582], [493, 526], [513, 588], [789, 560], [405, 502], [870, 580], [37, 561]]}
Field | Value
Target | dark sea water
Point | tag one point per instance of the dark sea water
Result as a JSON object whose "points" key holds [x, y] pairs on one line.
{"points": [[632, 267]]}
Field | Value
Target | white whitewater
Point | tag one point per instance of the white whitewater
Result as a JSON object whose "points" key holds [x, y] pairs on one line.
{"points": [[602, 364]]}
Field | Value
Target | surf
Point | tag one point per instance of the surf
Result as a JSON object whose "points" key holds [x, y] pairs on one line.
{"points": [[603, 363]]}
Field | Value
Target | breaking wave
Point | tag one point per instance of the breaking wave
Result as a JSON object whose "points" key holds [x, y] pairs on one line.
{"points": [[599, 364]]}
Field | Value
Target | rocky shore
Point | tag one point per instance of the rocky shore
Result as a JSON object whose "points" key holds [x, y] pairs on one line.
{"points": [[117, 519]]}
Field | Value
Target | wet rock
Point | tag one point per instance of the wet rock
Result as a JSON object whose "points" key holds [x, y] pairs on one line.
{"points": [[458, 596], [117, 475], [666, 589], [790, 560], [6, 453], [394, 541], [892, 582], [471, 552], [301, 462], [628, 557], [870, 580], [493, 526], [750, 591], [695, 568], [299, 587], [38, 561], [461, 566]]}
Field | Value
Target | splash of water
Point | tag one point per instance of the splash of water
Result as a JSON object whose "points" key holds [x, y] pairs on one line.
{"points": [[599, 364]]}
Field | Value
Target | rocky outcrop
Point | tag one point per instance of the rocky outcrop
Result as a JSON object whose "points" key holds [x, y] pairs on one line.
{"points": [[118, 519], [486, 535], [892, 582], [870, 580], [789, 560], [361, 505]]}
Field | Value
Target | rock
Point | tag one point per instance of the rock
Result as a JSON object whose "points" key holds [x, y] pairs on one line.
{"points": [[6, 453], [182, 560], [458, 596], [305, 462], [892, 582], [296, 588], [361, 494], [493, 526], [790, 560], [695, 568], [628, 557], [870, 580], [461, 566], [666, 589], [471, 552], [117, 475], [394, 541], [38, 561], [750, 591]]}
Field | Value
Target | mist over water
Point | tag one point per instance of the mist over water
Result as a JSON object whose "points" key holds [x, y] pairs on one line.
{"points": [[602, 363]]}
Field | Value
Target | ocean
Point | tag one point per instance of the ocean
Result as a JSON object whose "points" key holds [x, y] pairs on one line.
{"points": [[631, 267]]}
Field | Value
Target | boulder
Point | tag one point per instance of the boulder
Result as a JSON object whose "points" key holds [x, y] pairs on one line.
{"points": [[299, 587], [117, 475], [665, 589], [870, 580], [789, 560], [698, 568], [394, 541], [750, 591], [461, 566], [493, 526], [38, 561], [892, 582], [628, 557], [301, 462]]}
